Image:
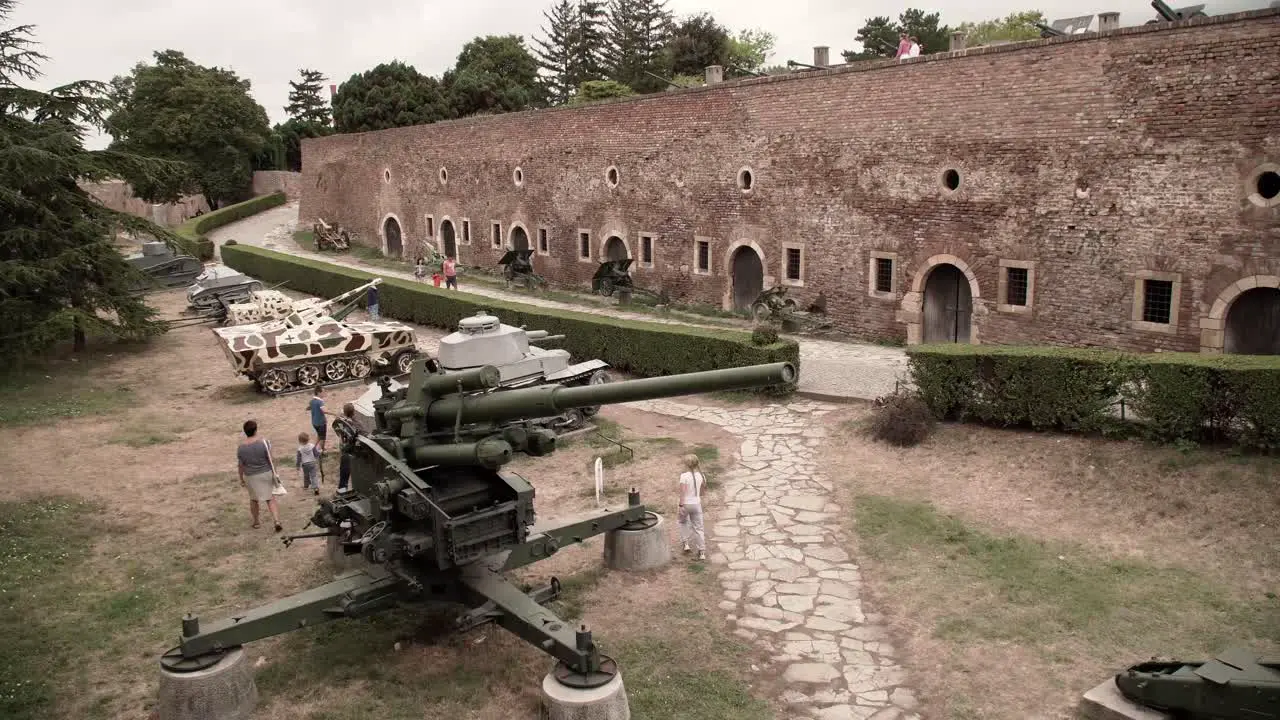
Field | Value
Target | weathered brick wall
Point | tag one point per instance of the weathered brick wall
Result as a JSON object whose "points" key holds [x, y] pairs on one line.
{"points": [[267, 182], [1097, 158], [118, 195]]}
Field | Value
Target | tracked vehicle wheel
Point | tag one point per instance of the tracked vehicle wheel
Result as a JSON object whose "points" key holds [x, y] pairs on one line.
{"points": [[274, 381], [335, 370], [308, 375], [359, 367], [599, 377], [404, 361]]}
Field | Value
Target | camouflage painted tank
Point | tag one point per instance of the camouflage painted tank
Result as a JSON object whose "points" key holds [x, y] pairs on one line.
{"points": [[261, 306], [317, 347]]}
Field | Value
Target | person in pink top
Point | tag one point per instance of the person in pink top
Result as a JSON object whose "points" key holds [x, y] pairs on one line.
{"points": [[450, 273], [904, 46]]}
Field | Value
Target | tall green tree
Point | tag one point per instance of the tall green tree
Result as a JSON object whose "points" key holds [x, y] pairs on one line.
{"points": [[388, 96], [879, 35], [590, 41], [637, 34], [60, 274], [309, 117], [494, 74], [1011, 28], [749, 50], [555, 51], [306, 99], [695, 43], [202, 116]]}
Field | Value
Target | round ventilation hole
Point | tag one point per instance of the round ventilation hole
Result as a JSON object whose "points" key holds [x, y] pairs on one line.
{"points": [[611, 176], [444, 176], [386, 176], [746, 180], [518, 176], [951, 180], [1268, 185]]}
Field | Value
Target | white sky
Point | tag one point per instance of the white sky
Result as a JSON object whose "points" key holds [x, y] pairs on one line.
{"points": [[267, 42]]}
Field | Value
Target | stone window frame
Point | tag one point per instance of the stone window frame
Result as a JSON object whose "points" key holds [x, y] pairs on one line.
{"points": [[1002, 290], [578, 251], [543, 238], [495, 234], [1251, 185], [466, 232], [612, 177], [517, 176], [442, 175], [894, 285], [653, 250], [386, 175], [698, 240], [431, 226], [1139, 299], [783, 270], [942, 180], [746, 186]]}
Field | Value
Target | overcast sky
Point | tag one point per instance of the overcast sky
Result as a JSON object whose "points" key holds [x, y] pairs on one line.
{"points": [[267, 41]]}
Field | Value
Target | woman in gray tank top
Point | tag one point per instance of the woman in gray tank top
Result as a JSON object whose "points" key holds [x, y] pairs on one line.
{"points": [[257, 472]]}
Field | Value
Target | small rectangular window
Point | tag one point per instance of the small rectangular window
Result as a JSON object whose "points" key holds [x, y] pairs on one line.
{"points": [[584, 245], [793, 263], [431, 226], [497, 235], [704, 255], [646, 250], [1157, 301], [884, 275], [1016, 282], [542, 240], [466, 232]]}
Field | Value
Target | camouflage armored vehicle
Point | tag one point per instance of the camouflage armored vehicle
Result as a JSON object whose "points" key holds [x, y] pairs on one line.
{"points": [[266, 305], [218, 286], [483, 340], [163, 267], [316, 346]]}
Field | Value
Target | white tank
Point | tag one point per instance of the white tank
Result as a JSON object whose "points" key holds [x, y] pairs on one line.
{"points": [[483, 340]]}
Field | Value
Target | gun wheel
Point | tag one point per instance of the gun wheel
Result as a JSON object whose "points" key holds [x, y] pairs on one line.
{"points": [[649, 520], [760, 312], [174, 661], [308, 375], [569, 677], [404, 361], [335, 370], [360, 367], [274, 381], [606, 287]]}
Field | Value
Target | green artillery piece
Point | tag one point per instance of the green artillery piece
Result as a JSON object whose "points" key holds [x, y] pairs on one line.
{"points": [[517, 269], [1236, 685], [437, 520]]}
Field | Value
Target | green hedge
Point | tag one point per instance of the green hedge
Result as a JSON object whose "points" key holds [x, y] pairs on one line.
{"points": [[641, 348], [1173, 396], [193, 231]]}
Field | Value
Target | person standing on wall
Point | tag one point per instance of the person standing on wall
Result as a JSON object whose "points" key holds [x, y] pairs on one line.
{"points": [[904, 46], [371, 300], [450, 273], [914, 50]]}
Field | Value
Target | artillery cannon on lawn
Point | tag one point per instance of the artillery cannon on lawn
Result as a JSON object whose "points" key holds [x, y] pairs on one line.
{"points": [[328, 237], [1235, 685], [773, 305], [615, 275], [517, 268], [432, 519]]}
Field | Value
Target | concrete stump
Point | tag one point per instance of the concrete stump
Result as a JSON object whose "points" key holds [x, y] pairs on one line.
{"points": [[644, 549], [225, 691], [339, 561], [561, 702], [1106, 702]]}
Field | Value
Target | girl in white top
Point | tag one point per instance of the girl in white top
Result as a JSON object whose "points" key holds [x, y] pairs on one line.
{"points": [[690, 514]]}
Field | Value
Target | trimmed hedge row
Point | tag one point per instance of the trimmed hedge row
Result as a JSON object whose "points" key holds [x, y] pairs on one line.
{"points": [[1174, 396], [193, 230], [641, 348]]}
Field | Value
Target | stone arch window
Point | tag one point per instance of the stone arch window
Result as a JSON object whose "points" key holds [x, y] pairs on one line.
{"points": [[942, 303], [615, 247], [746, 269], [1244, 318], [392, 232], [746, 180], [611, 176]]}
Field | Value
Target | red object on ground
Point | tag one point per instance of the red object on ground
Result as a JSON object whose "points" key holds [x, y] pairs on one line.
{"points": [[436, 279]]}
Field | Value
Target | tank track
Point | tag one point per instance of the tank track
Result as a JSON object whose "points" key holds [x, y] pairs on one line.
{"points": [[283, 379]]}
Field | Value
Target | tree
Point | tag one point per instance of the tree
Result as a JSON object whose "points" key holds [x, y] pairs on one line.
{"points": [[1012, 28], [879, 36], [306, 103], [198, 115], [695, 43], [637, 33], [494, 74], [555, 53], [589, 42], [309, 117], [388, 96], [596, 90], [749, 50], [60, 274]]}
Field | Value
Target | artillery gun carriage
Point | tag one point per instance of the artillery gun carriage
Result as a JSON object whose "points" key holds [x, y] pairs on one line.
{"points": [[329, 237], [774, 306], [432, 518], [162, 267], [615, 275], [517, 269], [1235, 685], [314, 345]]}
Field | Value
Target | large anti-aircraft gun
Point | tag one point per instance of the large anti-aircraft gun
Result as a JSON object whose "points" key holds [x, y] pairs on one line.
{"points": [[437, 520], [1236, 685]]}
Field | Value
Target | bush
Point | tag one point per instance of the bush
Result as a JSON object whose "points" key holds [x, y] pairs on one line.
{"points": [[193, 230], [901, 419], [1175, 396], [764, 335], [641, 348]]}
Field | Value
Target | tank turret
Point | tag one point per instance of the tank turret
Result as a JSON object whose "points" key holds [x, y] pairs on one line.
{"points": [[433, 518], [220, 286], [162, 267]]}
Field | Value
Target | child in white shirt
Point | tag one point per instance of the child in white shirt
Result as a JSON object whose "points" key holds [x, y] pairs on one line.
{"points": [[690, 513], [308, 462]]}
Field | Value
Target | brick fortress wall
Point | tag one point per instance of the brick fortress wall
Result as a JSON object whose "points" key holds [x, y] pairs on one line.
{"points": [[1094, 162]]}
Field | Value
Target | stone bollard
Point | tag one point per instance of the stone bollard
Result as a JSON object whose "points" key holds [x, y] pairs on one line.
{"points": [[643, 547], [607, 702], [222, 691]]}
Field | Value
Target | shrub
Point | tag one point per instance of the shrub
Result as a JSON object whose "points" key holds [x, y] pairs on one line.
{"points": [[1175, 396], [764, 335], [193, 230], [901, 419], [641, 348]]}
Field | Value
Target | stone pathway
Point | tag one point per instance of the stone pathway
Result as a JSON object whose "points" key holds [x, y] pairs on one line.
{"points": [[829, 369], [788, 584]]}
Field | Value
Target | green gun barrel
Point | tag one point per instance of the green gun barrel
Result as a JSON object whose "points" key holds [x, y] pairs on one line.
{"points": [[551, 400]]}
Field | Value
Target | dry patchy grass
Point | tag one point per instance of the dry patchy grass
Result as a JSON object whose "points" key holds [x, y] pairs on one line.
{"points": [[1018, 570]]}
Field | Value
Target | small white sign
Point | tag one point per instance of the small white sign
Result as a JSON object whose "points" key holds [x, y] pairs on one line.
{"points": [[599, 480]]}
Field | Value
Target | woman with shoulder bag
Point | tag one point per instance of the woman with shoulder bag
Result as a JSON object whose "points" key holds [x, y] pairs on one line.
{"points": [[258, 473]]}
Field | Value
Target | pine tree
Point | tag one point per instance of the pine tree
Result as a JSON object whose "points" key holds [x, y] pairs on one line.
{"points": [[306, 103], [589, 43], [60, 274], [638, 31], [555, 53]]}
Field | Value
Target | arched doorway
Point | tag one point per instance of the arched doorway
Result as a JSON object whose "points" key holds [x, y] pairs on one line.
{"points": [[1252, 325], [948, 305], [615, 249], [448, 243], [747, 272], [519, 238], [391, 231]]}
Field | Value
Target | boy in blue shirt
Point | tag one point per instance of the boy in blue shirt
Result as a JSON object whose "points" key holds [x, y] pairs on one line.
{"points": [[316, 406]]}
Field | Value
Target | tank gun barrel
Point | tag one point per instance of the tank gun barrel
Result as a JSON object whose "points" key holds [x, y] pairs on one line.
{"points": [[338, 300], [551, 400], [545, 338]]}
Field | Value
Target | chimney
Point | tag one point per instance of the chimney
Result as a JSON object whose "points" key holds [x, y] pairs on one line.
{"points": [[1108, 21], [822, 56], [715, 74], [333, 92], [957, 41]]}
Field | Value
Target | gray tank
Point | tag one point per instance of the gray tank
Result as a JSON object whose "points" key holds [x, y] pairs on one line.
{"points": [[162, 267], [220, 285]]}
